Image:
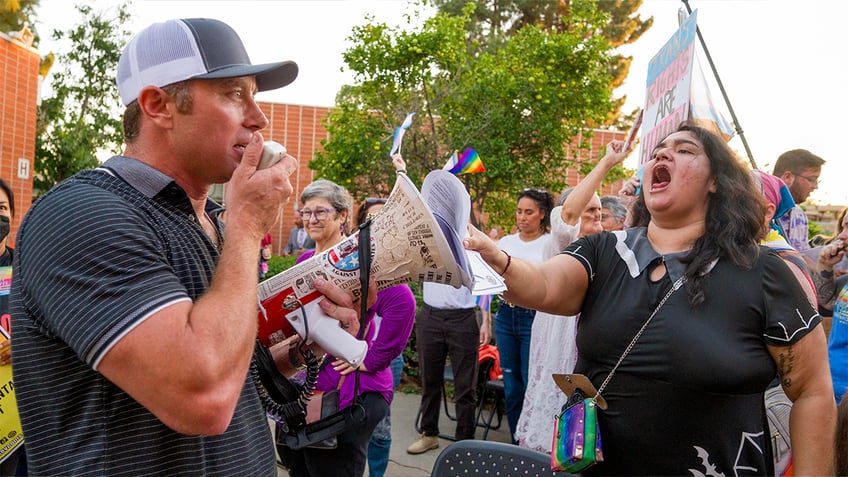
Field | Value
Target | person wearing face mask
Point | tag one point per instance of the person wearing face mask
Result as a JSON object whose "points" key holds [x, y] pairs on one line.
{"points": [[7, 213], [513, 323], [15, 459]]}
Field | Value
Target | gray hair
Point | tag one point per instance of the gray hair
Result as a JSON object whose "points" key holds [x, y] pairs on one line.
{"points": [[561, 199], [615, 205], [336, 195]]}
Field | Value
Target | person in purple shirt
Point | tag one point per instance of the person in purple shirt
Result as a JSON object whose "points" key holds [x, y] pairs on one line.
{"points": [[326, 209]]}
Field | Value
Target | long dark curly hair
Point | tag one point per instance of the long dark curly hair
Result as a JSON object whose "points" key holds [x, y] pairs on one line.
{"points": [[544, 200], [735, 214]]}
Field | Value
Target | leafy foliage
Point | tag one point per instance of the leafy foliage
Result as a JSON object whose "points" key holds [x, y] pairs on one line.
{"points": [[14, 14], [494, 20], [83, 115], [517, 105], [277, 264]]}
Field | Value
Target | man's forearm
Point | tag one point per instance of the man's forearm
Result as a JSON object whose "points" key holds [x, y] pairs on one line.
{"points": [[825, 287]]}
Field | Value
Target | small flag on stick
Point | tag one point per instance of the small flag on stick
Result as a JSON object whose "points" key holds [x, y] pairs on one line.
{"points": [[399, 132], [464, 163]]}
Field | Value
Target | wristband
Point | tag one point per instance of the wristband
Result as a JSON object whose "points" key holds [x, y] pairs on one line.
{"points": [[508, 262], [826, 273]]}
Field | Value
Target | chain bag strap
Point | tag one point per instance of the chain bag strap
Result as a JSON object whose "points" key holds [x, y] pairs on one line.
{"points": [[677, 284], [577, 441]]}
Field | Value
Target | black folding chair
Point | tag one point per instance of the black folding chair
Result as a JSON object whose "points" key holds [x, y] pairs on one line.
{"points": [[476, 457]]}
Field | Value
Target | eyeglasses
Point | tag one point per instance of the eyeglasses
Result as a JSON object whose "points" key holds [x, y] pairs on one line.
{"points": [[320, 214], [812, 180], [374, 200]]}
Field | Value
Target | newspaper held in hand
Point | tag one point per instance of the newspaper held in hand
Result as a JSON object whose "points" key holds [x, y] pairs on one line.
{"points": [[450, 203], [408, 243]]}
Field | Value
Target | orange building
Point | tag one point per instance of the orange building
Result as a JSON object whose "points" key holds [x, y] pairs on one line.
{"points": [[18, 102]]}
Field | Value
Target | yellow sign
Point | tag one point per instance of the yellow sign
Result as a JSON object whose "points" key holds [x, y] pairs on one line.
{"points": [[11, 434]]}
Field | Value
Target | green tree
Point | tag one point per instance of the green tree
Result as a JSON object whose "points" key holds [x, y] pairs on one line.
{"points": [[15, 14], [496, 20], [517, 105], [82, 117]]}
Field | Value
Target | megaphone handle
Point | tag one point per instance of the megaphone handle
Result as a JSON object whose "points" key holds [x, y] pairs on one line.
{"points": [[328, 334]]}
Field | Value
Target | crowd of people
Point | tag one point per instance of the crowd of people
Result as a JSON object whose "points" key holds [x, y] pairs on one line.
{"points": [[147, 314]]}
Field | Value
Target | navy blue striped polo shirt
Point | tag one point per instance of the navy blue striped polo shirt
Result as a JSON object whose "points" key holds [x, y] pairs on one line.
{"points": [[95, 257]]}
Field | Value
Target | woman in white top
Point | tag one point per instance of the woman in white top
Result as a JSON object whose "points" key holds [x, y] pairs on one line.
{"points": [[553, 349], [513, 323]]}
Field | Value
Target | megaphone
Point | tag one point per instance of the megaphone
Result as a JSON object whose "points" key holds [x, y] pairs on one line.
{"points": [[408, 243]]}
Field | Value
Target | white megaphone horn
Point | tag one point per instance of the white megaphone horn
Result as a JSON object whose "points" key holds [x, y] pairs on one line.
{"points": [[408, 243]]}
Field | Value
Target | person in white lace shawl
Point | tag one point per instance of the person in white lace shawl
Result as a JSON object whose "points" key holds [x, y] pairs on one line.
{"points": [[552, 341]]}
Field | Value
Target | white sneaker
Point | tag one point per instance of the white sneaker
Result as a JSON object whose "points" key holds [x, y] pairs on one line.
{"points": [[423, 444]]}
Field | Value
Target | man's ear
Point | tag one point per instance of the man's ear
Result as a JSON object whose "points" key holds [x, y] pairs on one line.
{"points": [[788, 178], [157, 105]]}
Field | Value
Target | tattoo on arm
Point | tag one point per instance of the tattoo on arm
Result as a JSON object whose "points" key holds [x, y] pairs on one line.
{"points": [[785, 363], [826, 289]]}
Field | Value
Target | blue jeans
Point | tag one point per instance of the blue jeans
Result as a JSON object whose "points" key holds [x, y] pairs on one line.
{"points": [[381, 440], [512, 337]]}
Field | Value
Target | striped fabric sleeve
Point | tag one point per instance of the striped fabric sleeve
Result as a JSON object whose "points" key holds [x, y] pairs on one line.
{"points": [[95, 268]]}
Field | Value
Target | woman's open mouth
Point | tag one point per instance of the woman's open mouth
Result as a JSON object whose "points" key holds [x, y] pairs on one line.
{"points": [[661, 177]]}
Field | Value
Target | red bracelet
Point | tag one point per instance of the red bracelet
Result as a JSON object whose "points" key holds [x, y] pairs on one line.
{"points": [[508, 262]]}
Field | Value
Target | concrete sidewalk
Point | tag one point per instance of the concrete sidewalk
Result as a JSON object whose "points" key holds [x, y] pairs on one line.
{"points": [[404, 410], [401, 464]]}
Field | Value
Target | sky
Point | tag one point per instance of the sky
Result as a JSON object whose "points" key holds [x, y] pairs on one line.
{"points": [[778, 60]]}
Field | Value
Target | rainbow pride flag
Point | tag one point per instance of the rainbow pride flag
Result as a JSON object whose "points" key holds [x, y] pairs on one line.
{"points": [[464, 163]]}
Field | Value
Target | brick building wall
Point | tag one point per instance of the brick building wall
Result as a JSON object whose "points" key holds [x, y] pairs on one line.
{"points": [[301, 129], [598, 143], [18, 102]]}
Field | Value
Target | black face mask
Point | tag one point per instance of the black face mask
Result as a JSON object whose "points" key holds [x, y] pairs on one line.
{"points": [[4, 227]]}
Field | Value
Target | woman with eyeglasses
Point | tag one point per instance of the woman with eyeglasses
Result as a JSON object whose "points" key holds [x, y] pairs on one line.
{"points": [[513, 323], [684, 323], [326, 209]]}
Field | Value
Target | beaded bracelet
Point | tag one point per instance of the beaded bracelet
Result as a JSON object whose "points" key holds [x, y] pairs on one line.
{"points": [[508, 262]]}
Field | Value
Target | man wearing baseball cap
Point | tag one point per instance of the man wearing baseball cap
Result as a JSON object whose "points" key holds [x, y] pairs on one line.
{"points": [[134, 309]]}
